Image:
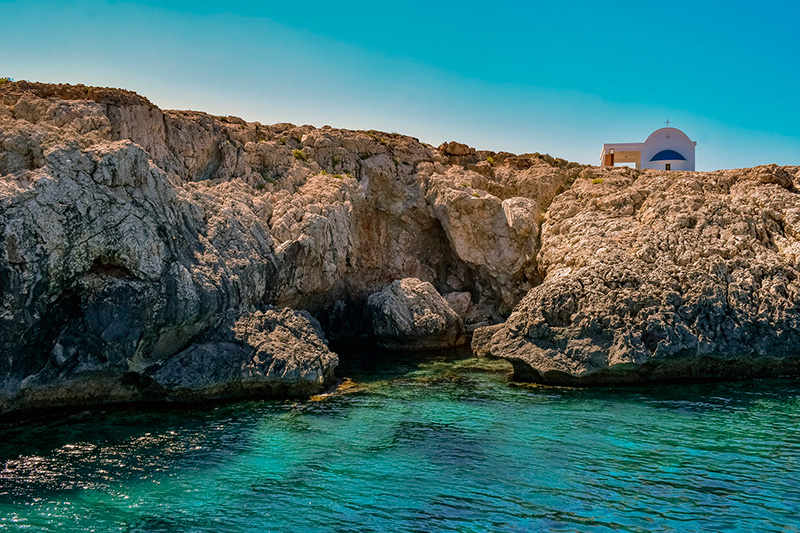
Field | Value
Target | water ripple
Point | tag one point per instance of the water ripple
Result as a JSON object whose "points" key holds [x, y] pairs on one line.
{"points": [[426, 445]]}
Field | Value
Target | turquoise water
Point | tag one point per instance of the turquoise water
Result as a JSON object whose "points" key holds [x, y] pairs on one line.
{"points": [[436, 444]]}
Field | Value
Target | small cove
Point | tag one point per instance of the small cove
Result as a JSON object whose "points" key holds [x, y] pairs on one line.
{"points": [[419, 443]]}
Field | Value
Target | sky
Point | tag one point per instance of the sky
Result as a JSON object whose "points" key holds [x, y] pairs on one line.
{"points": [[551, 77]]}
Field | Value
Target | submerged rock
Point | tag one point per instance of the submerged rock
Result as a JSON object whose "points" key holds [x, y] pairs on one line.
{"points": [[410, 315]]}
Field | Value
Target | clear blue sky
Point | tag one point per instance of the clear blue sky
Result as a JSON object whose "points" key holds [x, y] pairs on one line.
{"points": [[554, 77]]}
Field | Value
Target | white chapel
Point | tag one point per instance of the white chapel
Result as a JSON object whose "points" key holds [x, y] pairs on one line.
{"points": [[665, 149]]}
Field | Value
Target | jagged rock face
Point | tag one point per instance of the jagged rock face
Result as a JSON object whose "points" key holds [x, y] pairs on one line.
{"points": [[130, 233], [108, 267], [270, 353], [410, 315], [657, 275]]}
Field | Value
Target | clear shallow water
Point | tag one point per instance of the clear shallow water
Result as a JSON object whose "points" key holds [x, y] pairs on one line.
{"points": [[419, 445]]}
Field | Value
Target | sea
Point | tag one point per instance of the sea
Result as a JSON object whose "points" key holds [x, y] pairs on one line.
{"points": [[421, 443]]}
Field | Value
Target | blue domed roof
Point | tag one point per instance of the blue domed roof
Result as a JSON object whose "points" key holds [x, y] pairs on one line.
{"points": [[668, 155]]}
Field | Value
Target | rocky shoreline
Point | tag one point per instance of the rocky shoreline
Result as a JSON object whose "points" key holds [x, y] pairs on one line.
{"points": [[173, 255]]}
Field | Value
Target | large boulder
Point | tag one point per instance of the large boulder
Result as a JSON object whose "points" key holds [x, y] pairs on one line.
{"points": [[410, 315], [272, 352]]}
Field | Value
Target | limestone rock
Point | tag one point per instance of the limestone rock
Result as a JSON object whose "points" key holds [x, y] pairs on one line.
{"points": [[482, 339], [456, 148], [460, 302], [130, 235], [128, 232], [493, 225], [280, 353], [657, 275], [410, 315]]}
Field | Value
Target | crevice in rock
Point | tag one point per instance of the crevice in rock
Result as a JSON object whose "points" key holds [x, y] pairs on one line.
{"points": [[213, 166], [144, 385], [110, 268]]}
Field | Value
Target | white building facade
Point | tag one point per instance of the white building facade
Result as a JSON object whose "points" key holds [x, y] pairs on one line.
{"points": [[664, 149]]}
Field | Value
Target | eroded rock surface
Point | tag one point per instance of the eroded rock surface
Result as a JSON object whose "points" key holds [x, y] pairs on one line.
{"points": [[129, 234], [281, 353], [662, 275], [410, 315]]}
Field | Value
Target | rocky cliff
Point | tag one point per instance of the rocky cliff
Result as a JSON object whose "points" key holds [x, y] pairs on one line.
{"points": [[660, 276], [150, 254], [136, 243]]}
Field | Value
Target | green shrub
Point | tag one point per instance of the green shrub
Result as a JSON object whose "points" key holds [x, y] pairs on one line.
{"points": [[299, 154], [5, 79], [490, 160], [597, 180], [338, 176], [324, 172], [267, 177], [335, 160], [282, 141], [376, 136]]}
